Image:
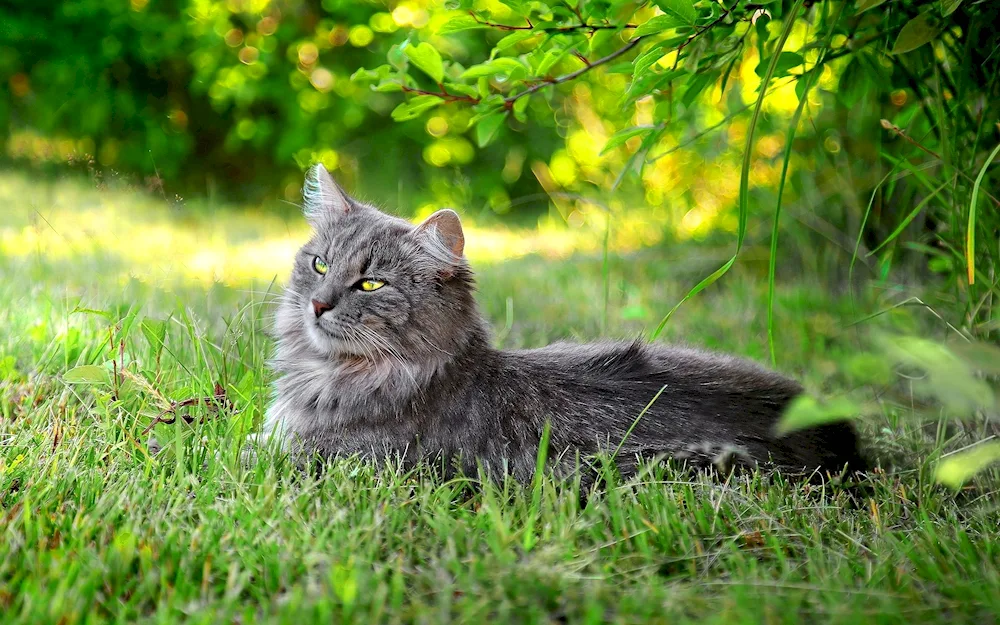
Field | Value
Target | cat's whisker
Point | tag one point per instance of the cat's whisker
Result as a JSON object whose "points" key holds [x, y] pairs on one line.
{"points": [[292, 292], [377, 343], [433, 346], [383, 345], [388, 346], [356, 339]]}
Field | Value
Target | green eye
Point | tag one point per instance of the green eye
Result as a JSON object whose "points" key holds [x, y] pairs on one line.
{"points": [[371, 285], [320, 266]]}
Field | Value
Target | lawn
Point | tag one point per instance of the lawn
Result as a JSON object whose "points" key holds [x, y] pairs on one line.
{"points": [[113, 304]]}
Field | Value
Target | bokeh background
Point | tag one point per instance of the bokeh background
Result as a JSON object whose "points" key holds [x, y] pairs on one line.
{"points": [[230, 100]]}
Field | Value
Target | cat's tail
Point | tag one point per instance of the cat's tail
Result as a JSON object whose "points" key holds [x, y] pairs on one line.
{"points": [[831, 449]]}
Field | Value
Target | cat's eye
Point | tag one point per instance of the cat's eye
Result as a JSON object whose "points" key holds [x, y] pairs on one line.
{"points": [[370, 285], [320, 265]]}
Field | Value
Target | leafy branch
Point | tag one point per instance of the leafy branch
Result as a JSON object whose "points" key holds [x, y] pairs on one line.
{"points": [[589, 65], [510, 100], [582, 26], [444, 94], [701, 31]]}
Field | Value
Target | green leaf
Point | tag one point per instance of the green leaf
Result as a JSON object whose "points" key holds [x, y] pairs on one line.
{"points": [[127, 322], [957, 469], [854, 82], [622, 136], [682, 9], [786, 61], [415, 107], [551, 57], [696, 85], [372, 75], [460, 23], [658, 24], [513, 39], [87, 374], [763, 34], [915, 33], [645, 61], [483, 70], [520, 107], [468, 90], [426, 57], [980, 356], [396, 56], [488, 126], [155, 332], [949, 6], [91, 311], [389, 86], [511, 67], [601, 37], [650, 82], [806, 412], [948, 378], [695, 52], [864, 5]]}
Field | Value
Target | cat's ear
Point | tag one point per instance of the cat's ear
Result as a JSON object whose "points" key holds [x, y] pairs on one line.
{"points": [[323, 199], [443, 233]]}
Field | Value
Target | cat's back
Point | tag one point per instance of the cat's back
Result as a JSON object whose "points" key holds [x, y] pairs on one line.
{"points": [[692, 400], [635, 361]]}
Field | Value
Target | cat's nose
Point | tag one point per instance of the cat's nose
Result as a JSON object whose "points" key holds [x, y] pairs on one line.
{"points": [[320, 307]]}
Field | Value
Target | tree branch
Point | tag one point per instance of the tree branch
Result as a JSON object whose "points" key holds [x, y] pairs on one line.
{"points": [[443, 94], [509, 101], [592, 28]]}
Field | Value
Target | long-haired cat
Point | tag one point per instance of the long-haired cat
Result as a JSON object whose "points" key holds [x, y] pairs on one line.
{"points": [[382, 352]]}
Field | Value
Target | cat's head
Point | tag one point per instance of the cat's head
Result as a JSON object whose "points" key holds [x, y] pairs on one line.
{"points": [[375, 288]]}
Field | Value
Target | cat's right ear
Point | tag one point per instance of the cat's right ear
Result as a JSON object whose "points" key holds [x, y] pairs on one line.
{"points": [[323, 199]]}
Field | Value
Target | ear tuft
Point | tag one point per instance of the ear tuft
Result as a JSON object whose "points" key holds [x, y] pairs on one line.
{"points": [[445, 229], [322, 197]]}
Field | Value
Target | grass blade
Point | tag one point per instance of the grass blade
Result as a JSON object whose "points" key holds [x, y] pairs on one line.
{"points": [[970, 235], [536, 488]]}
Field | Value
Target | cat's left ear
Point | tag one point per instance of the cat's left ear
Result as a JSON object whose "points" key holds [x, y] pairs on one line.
{"points": [[323, 199], [444, 236]]}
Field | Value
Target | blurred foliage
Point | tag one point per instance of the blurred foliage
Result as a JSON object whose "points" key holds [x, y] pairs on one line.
{"points": [[863, 126]]}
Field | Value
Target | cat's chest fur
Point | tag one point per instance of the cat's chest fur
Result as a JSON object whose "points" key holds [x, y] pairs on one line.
{"points": [[353, 405]]}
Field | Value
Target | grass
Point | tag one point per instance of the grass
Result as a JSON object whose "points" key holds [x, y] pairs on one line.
{"points": [[96, 529]]}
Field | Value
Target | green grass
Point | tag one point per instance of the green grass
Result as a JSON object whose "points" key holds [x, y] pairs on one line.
{"points": [[94, 528]]}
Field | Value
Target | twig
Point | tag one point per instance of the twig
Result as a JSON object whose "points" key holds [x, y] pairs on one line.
{"points": [[443, 94], [552, 29], [216, 402]]}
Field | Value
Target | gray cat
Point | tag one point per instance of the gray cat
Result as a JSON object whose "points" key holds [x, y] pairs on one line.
{"points": [[381, 351]]}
